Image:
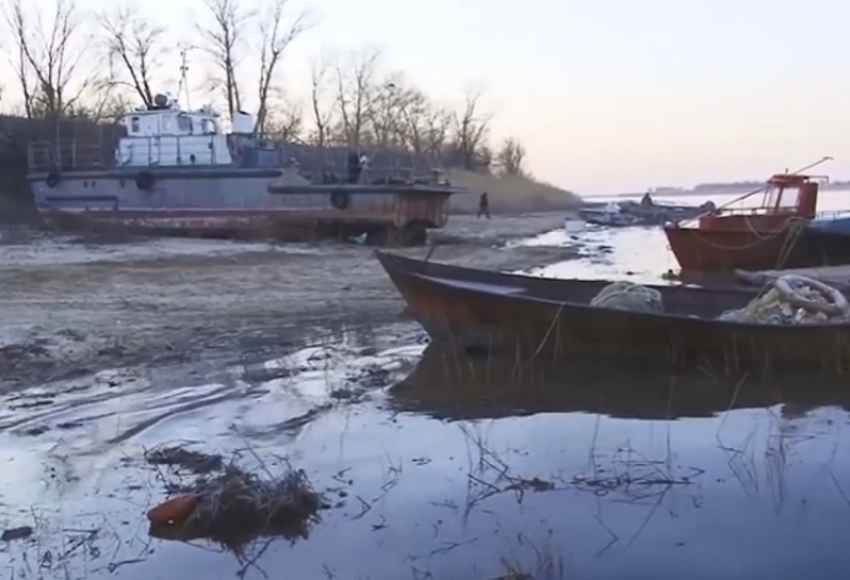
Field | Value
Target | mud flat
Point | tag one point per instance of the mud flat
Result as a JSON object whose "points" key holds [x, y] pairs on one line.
{"points": [[73, 306]]}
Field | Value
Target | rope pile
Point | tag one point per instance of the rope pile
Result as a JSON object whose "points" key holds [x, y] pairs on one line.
{"points": [[625, 295], [794, 300]]}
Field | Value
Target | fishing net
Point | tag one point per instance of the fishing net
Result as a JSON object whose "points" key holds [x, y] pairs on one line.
{"points": [[794, 300], [625, 295]]}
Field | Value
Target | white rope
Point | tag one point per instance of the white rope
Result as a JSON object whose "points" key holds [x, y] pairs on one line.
{"points": [[625, 295]]}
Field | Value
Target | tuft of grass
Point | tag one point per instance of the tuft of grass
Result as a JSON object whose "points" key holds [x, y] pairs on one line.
{"points": [[233, 507]]}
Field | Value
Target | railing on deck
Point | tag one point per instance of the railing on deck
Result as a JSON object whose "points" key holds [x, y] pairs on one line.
{"points": [[388, 175], [82, 155], [70, 154]]}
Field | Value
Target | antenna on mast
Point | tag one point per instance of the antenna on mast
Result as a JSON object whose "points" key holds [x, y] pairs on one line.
{"points": [[184, 83]]}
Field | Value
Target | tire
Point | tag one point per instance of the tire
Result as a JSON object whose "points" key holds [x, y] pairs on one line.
{"points": [[144, 180], [52, 179], [340, 199]]}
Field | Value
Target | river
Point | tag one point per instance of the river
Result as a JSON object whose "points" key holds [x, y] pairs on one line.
{"points": [[438, 466]]}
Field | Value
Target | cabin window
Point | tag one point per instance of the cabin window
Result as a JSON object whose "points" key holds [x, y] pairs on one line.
{"points": [[208, 127], [135, 125], [184, 123]]}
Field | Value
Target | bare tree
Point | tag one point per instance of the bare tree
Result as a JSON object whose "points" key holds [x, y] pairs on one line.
{"points": [[46, 58], [469, 134], [286, 124], [322, 111], [438, 122], [511, 156], [413, 128], [276, 37], [134, 42], [223, 39], [355, 94]]}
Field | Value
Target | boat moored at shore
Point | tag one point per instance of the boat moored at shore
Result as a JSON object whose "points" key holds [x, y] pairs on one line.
{"points": [[175, 172]]}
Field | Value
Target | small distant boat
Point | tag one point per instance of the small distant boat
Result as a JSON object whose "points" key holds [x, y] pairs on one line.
{"points": [[611, 215], [645, 213], [545, 319]]}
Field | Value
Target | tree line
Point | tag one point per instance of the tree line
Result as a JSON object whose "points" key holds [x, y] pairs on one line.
{"points": [[63, 68]]}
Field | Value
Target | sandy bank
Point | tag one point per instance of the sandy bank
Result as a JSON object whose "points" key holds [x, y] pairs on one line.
{"points": [[68, 307]]}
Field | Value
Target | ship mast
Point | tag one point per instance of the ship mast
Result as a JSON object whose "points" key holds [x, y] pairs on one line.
{"points": [[184, 83]]}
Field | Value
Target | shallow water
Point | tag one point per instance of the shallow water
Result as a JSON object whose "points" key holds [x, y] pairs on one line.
{"points": [[437, 465], [638, 254], [463, 468]]}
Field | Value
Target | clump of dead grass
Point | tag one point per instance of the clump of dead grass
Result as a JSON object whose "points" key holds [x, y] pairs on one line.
{"points": [[232, 506]]}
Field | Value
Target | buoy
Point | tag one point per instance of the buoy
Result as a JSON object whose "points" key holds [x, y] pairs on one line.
{"points": [[174, 511]]}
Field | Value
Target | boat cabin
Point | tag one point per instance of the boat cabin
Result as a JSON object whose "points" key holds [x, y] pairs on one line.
{"points": [[164, 135], [785, 197]]}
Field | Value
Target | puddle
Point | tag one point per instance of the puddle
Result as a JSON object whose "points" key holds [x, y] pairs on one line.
{"points": [[434, 463]]}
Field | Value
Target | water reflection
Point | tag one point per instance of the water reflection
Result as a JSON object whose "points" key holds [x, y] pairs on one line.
{"points": [[448, 384], [465, 469]]}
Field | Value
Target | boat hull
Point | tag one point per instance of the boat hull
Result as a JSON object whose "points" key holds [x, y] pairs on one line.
{"points": [[699, 250], [229, 203], [475, 310], [726, 251]]}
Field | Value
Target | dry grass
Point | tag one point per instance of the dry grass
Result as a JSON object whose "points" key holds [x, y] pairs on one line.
{"points": [[235, 507], [509, 194]]}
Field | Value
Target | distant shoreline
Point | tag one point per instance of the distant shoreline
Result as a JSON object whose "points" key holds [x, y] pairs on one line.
{"points": [[719, 189]]}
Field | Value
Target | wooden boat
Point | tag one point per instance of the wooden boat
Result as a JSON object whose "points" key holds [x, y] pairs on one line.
{"points": [[536, 318], [449, 384], [765, 237]]}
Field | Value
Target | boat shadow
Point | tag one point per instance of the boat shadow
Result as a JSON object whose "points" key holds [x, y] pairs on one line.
{"points": [[450, 384]]}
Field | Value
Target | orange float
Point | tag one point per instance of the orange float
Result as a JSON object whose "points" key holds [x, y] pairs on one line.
{"points": [[174, 511]]}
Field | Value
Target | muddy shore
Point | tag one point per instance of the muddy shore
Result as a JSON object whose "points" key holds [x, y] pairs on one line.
{"points": [[72, 306]]}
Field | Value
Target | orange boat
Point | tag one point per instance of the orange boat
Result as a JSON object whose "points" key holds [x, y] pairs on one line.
{"points": [[770, 236]]}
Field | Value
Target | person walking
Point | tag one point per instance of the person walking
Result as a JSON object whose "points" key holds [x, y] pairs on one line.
{"points": [[483, 206]]}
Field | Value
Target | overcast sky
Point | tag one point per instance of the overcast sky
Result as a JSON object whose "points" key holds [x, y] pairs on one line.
{"points": [[611, 95]]}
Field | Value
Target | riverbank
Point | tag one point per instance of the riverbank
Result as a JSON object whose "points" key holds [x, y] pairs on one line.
{"points": [[72, 306]]}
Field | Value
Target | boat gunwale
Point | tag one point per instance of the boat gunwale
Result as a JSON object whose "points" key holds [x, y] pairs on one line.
{"points": [[577, 306]]}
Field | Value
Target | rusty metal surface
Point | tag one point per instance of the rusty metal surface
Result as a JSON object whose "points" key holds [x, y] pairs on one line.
{"points": [[280, 225], [726, 251], [201, 201], [551, 320]]}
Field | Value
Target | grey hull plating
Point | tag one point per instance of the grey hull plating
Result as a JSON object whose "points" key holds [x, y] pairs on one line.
{"points": [[231, 203], [177, 199], [172, 190]]}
